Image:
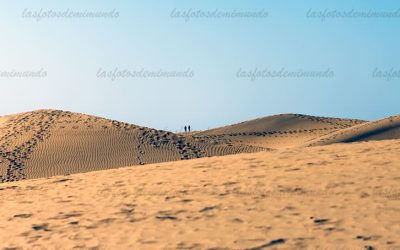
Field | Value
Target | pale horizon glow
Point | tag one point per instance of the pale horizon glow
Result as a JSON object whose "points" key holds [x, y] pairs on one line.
{"points": [[198, 70]]}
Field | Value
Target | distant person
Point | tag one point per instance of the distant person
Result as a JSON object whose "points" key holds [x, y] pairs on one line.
{"points": [[185, 129], [189, 128]]}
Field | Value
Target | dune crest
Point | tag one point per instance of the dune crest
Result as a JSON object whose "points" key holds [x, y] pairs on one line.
{"points": [[279, 131], [45, 143], [271, 182], [384, 129]]}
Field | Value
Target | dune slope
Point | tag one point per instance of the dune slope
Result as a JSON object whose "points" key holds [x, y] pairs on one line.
{"points": [[52, 142], [286, 130], [45, 143], [340, 196], [384, 129]]}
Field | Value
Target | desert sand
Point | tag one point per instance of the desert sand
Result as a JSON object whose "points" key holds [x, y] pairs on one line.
{"points": [[287, 181], [45, 143], [51, 142]]}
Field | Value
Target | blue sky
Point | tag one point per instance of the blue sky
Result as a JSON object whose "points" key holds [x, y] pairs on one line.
{"points": [[71, 51]]}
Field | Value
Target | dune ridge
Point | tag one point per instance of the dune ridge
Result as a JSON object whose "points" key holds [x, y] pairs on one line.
{"points": [[383, 129], [288, 181], [52, 142], [45, 143], [278, 131]]}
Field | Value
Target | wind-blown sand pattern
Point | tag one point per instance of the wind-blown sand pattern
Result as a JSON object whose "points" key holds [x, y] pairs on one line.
{"points": [[288, 181], [45, 143], [385, 129], [51, 142], [341, 196], [286, 130]]}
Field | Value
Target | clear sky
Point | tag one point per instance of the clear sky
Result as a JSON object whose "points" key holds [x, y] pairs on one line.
{"points": [[149, 35]]}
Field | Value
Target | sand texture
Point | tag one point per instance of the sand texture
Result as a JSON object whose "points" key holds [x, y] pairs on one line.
{"points": [[291, 181], [45, 143], [50, 142], [340, 196]]}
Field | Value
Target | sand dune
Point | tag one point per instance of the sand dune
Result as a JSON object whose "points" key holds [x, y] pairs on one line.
{"points": [[286, 130], [340, 196], [385, 129], [285, 190], [51, 142], [45, 143]]}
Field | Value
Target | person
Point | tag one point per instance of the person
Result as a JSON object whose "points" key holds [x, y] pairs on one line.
{"points": [[189, 128], [185, 129]]}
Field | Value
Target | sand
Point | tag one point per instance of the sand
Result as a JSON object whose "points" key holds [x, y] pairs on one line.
{"points": [[52, 142], [340, 196], [46, 143], [288, 181], [281, 131], [384, 129]]}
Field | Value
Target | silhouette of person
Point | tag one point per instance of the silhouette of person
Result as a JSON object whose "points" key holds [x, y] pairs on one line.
{"points": [[189, 128], [185, 129]]}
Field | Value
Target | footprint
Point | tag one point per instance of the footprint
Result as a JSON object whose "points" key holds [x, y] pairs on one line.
{"points": [[166, 217], [38, 227], [24, 216], [269, 244]]}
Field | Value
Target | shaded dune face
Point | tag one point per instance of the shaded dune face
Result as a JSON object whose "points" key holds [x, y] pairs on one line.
{"points": [[286, 130], [45, 143], [384, 129]]}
